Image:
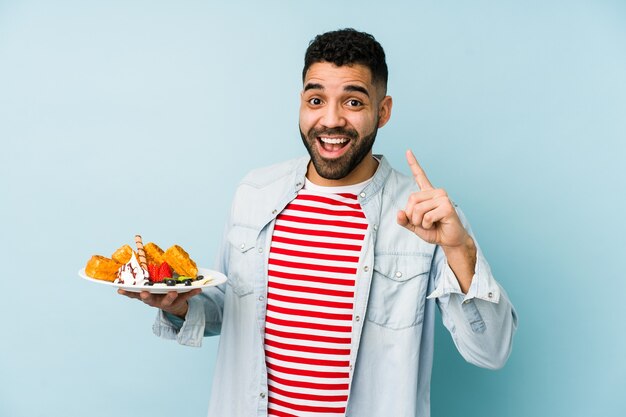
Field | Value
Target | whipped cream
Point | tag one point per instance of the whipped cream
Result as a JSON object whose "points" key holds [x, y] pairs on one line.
{"points": [[131, 273]]}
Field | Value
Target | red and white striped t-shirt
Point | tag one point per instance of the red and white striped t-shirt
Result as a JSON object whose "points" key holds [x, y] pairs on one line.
{"points": [[312, 267]]}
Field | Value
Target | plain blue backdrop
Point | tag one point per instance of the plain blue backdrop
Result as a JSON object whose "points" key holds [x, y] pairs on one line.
{"points": [[124, 117]]}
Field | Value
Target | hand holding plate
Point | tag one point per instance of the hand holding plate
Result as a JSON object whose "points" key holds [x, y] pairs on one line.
{"points": [[173, 302]]}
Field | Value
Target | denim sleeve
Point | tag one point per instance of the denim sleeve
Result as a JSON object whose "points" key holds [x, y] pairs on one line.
{"points": [[188, 332], [483, 321], [205, 313]]}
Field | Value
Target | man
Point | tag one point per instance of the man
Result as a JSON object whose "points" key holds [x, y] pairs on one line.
{"points": [[335, 264]]}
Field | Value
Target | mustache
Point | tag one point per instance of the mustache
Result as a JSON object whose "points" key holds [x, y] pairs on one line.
{"points": [[335, 131]]}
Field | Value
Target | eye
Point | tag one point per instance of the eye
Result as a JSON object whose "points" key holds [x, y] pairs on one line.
{"points": [[315, 101], [354, 103]]}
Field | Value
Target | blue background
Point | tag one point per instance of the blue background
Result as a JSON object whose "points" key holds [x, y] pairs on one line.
{"points": [[124, 117]]}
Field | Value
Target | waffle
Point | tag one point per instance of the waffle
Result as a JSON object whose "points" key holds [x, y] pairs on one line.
{"points": [[100, 267], [154, 253], [122, 255], [178, 259]]}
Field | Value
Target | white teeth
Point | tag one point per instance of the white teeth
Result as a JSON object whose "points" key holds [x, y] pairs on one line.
{"points": [[334, 141]]}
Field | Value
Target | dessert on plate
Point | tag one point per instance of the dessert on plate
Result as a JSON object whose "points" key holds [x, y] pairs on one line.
{"points": [[149, 265]]}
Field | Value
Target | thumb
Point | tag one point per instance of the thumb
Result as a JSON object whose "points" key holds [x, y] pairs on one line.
{"points": [[401, 218]]}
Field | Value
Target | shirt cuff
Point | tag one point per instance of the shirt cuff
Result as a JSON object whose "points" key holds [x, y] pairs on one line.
{"points": [[188, 332], [483, 285], [176, 321]]}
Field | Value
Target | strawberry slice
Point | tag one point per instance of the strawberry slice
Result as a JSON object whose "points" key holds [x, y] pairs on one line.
{"points": [[153, 270], [164, 272]]}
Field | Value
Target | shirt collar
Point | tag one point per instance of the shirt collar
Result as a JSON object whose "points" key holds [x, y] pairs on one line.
{"points": [[378, 180]]}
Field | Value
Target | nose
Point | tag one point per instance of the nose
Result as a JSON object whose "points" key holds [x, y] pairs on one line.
{"points": [[333, 117]]}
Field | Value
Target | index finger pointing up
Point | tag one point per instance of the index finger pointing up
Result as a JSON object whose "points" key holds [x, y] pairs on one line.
{"points": [[418, 173]]}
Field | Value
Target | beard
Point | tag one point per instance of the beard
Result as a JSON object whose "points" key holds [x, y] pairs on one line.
{"points": [[338, 168]]}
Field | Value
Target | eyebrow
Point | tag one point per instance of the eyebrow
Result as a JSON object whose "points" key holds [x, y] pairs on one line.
{"points": [[356, 88], [313, 86], [348, 88]]}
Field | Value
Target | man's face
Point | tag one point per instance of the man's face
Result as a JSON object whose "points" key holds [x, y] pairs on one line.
{"points": [[341, 110]]}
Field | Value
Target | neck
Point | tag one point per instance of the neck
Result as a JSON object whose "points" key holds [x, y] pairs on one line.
{"points": [[364, 171]]}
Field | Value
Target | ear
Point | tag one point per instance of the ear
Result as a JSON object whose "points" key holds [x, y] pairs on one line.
{"points": [[384, 111]]}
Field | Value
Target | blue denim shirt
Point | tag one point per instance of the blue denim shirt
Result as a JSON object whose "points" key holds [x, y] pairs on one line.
{"points": [[400, 280]]}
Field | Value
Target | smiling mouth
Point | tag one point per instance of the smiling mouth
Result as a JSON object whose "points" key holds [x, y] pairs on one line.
{"points": [[332, 144]]}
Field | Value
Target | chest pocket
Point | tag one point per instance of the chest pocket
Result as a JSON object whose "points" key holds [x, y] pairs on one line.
{"points": [[398, 290], [245, 263]]}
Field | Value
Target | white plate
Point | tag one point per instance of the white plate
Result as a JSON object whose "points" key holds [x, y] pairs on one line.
{"points": [[211, 279]]}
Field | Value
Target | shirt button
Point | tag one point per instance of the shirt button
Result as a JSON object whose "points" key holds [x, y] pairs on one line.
{"points": [[362, 195], [375, 227], [490, 295], [261, 298], [366, 268], [260, 250], [398, 274], [466, 302], [357, 318], [274, 211], [350, 367], [262, 395], [243, 246]]}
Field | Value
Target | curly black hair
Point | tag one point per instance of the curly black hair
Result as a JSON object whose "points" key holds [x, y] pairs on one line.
{"points": [[348, 47]]}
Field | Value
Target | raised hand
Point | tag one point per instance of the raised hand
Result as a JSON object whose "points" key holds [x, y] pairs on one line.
{"points": [[429, 213]]}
